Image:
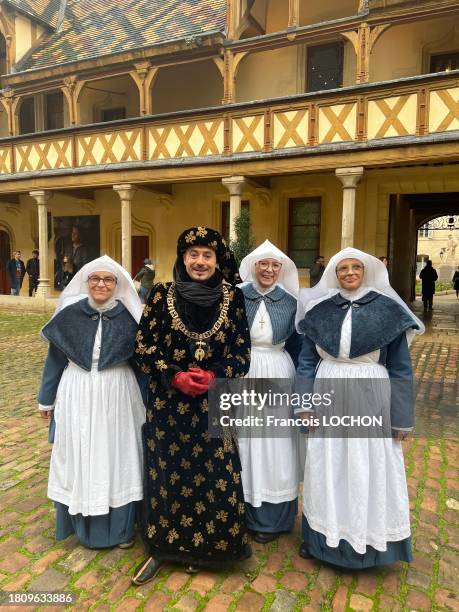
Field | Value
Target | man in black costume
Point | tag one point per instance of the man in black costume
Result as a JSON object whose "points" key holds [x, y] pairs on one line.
{"points": [[193, 330]]}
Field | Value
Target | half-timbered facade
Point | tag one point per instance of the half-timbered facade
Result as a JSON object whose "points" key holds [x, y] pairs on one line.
{"points": [[335, 121]]}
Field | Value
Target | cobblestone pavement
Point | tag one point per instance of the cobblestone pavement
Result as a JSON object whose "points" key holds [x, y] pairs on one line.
{"points": [[275, 578]]}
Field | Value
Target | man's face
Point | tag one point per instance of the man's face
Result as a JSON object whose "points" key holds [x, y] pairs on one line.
{"points": [[75, 234], [17, 255], [200, 262], [35, 255], [321, 261]]}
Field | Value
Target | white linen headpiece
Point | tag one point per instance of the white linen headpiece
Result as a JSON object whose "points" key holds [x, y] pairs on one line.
{"points": [[288, 275], [375, 278], [125, 290]]}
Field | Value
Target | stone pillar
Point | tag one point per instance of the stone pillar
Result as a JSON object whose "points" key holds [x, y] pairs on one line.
{"points": [[42, 197], [234, 185], [126, 192], [349, 177]]}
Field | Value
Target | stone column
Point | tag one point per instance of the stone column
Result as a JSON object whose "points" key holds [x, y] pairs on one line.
{"points": [[42, 197], [349, 177], [126, 192], [234, 185]]}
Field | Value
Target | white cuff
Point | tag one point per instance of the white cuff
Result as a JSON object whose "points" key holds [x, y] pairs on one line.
{"points": [[44, 408]]}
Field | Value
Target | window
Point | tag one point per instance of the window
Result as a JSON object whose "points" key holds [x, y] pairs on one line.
{"points": [[113, 114], [27, 116], [226, 217], [444, 62], [425, 231], [304, 231], [54, 111], [325, 67]]}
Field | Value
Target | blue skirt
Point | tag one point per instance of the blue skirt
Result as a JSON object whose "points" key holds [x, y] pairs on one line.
{"points": [[345, 556], [271, 518], [103, 531]]}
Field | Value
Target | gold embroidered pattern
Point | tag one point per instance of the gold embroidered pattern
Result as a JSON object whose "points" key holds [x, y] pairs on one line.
{"points": [[172, 535], [222, 516], [186, 521], [221, 484], [163, 521]]}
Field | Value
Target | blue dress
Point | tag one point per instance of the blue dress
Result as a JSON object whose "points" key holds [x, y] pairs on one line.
{"points": [[95, 476], [355, 504], [270, 464]]}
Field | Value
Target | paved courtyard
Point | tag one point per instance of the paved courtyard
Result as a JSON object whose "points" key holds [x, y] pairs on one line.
{"points": [[275, 578]]}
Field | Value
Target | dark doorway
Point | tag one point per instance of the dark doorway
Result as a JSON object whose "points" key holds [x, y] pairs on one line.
{"points": [[5, 256], [409, 212], [140, 250]]}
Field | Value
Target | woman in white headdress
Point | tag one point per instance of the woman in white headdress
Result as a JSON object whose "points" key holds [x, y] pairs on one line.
{"points": [[270, 466], [93, 398], [355, 501]]}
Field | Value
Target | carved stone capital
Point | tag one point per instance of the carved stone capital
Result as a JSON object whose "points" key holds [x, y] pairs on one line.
{"points": [[125, 191], [234, 184], [350, 177], [41, 197]]}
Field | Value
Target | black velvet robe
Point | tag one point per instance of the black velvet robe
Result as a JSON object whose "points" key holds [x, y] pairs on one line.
{"points": [[193, 502]]}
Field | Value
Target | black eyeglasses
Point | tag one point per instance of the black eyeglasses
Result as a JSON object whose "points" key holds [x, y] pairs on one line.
{"points": [[109, 281]]}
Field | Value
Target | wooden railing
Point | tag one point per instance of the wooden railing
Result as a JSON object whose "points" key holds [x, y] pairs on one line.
{"points": [[404, 109]]}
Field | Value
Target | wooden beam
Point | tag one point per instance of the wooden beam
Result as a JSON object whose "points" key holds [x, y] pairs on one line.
{"points": [[9, 198], [78, 194], [313, 161]]}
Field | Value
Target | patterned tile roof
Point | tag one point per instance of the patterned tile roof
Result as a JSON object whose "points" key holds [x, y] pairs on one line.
{"points": [[46, 11], [93, 28]]}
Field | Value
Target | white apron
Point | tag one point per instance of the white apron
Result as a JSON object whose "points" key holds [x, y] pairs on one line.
{"points": [[96, 461], [270, 466], [355, 489]]}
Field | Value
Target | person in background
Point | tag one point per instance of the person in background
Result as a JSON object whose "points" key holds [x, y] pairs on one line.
{"points": [[67, 272], [146, 277], [317, 269], [428, 276], [384, 260], [79, 250], [33, 270], [455, 282], [16, 272]]}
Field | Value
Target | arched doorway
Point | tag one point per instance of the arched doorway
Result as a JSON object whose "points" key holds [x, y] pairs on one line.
{"points": [[5, 256], [408, 214]]}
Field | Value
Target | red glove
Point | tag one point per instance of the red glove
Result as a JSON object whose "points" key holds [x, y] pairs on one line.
{"points": [[204, 377], [185, 382]]}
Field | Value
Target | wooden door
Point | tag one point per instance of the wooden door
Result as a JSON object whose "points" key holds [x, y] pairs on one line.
{"points": [[140, 250], [5, 256]]}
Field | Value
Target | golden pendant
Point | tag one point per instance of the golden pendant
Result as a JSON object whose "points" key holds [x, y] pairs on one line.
{"points": [[200, 353]]}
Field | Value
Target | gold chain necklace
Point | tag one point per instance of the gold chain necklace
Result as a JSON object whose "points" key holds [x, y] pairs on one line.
{"points": [[200, 352]]}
